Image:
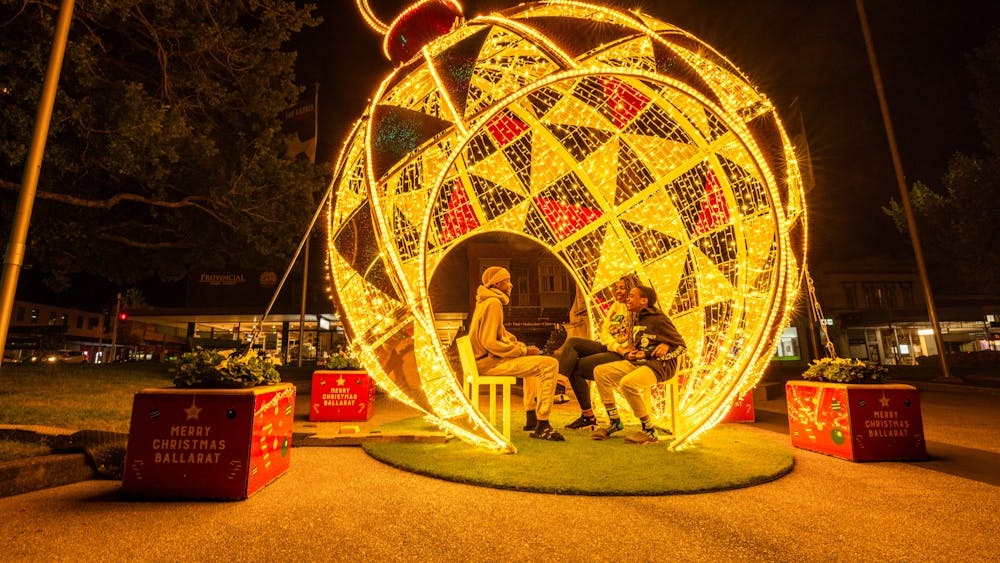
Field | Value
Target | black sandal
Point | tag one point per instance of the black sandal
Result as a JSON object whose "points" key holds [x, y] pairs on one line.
{"points": [[548, 433]]}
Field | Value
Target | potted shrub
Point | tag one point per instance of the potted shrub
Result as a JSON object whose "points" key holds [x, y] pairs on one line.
{"points": [[844, 370], [341, 390], [223, 432], [842, 408], [213, 369], [342, 360]]}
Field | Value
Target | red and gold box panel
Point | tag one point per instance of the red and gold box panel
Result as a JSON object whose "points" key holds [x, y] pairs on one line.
{"points": [[742, 410], [208, 443], [341, 395], [856, 422]]}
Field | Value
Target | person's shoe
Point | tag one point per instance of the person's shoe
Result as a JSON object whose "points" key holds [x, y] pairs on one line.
{"points": [[641, 437], [606, 432], [589, 422], [560, 399], [548, 433]]}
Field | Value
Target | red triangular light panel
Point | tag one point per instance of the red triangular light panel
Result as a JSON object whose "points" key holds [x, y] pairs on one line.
{"points": [[714, 211], [565, 218], [459, 218], [505, 127], [624, 101], [603, 304]]}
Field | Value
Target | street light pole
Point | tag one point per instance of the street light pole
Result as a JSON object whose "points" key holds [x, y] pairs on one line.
{"points": [[14, 257], [904, 193], [114, 328]]}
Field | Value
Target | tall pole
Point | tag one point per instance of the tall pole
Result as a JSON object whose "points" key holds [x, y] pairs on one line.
{"points": [[305, 259], [302, 307], [114, 329], [904, 193], [14, 257]]}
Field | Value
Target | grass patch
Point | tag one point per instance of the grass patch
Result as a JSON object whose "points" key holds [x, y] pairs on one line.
{"points": [[78, 397], [728, 456]]}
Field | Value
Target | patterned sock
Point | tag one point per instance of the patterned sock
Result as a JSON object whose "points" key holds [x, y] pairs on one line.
{"points": [[612, 411]]}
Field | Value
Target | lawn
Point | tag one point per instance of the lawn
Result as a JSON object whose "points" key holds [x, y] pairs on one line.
{"points": [[92, 397], [80, 397], [75, 397]]}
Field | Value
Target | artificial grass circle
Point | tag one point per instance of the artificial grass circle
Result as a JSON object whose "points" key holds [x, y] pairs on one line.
{"points": [[728, 456]]}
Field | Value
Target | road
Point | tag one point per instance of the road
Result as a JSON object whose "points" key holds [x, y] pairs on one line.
{"points": [[337, 504]]}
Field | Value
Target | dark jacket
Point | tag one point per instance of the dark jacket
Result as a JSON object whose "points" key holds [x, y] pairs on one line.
{"points": [[651, 329]]}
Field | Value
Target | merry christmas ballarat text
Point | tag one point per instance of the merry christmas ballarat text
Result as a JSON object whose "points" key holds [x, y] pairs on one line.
{"points": [[340, 397], [187, 450], [887, 424]]}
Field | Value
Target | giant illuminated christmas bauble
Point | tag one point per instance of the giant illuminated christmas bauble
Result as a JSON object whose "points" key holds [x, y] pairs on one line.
{"points": [[620, 143]]}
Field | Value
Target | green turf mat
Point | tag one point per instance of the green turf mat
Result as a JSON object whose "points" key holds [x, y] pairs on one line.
{"points": [[728, 456]]}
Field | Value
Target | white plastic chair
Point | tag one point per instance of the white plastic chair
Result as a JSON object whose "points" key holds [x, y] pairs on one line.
{"points": [[668, 391], [473, 381]]}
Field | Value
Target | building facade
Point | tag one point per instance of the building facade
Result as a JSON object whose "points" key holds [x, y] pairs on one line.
{"points": [[40, 332], [876, 310]]}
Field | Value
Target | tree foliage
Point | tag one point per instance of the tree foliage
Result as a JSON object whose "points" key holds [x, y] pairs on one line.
{"points": [[164, 152], [959, 224]]}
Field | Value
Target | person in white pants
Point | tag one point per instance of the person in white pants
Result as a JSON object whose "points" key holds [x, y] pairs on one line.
{"points": [[498, 352], [657, 348]]}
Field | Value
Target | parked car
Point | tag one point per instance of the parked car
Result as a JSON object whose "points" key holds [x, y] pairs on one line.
{"points": [[68, 357]]}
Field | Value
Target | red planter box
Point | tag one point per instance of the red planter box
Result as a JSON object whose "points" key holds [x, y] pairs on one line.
{"points": [[208, 443], [742, 410], [341, 395], [856, 422]]}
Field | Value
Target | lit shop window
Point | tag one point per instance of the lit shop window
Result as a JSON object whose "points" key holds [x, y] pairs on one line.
{"points": [[788, 345]]}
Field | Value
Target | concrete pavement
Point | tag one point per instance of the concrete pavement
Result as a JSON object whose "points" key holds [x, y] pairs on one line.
{"points": [[337, 504]]}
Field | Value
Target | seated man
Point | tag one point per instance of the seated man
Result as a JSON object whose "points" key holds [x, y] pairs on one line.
{"points": [[658, 345], [580, 356], [498, 352]]}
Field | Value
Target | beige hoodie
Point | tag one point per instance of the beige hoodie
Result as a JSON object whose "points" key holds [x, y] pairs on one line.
{"points": [[490, 340]]}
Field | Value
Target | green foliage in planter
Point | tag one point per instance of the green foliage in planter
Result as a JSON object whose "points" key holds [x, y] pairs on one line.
{"points": [[211, 369], [341, 359], [844, 370]]}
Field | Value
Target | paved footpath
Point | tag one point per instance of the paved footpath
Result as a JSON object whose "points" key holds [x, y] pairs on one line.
{"points": [[337, 504]]}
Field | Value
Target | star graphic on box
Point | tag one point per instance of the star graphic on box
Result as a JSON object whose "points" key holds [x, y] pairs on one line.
{"points": [[193, 411], [884, 400], [340, 381]]}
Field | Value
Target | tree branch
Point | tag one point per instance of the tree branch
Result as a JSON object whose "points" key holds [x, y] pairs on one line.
{"points": [[133, 243], [195, 202]]}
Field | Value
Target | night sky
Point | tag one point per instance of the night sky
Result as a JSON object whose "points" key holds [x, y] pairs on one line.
{"points": [[808, 56]]}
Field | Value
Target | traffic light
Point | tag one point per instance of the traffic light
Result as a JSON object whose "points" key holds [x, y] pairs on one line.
{"points": [[123, 316]]}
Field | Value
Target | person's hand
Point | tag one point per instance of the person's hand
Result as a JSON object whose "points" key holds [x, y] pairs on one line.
{"points": [[533, 351], [660, 350]]}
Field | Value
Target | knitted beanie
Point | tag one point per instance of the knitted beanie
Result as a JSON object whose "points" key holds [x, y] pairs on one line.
{"points": [[494, 275]]}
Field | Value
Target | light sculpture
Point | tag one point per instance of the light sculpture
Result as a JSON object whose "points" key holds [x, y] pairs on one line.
{"points": [[620, 143]]}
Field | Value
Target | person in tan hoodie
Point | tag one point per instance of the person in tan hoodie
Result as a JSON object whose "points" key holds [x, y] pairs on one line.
{"points": [[498, 352]]}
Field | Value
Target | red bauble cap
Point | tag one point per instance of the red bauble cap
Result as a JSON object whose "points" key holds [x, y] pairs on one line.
{"points": [[417, 26]]}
